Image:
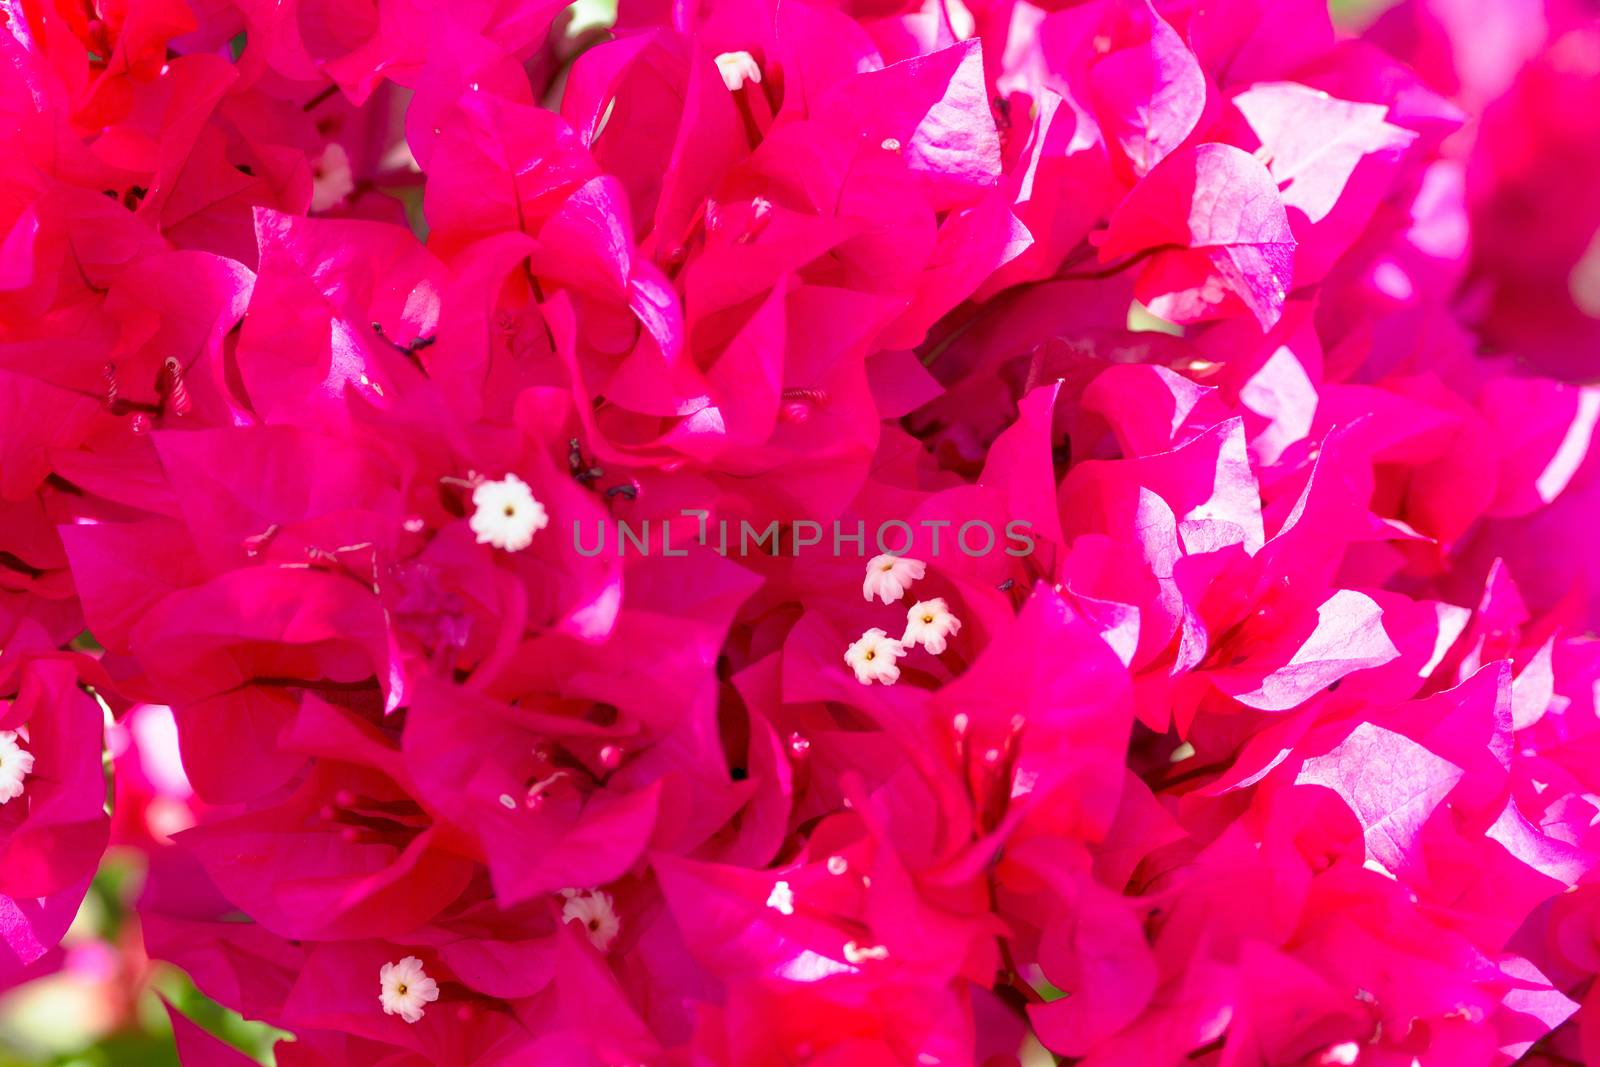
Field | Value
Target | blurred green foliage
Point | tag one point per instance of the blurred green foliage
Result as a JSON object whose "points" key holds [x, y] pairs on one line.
{"points": [[103, 1008]]}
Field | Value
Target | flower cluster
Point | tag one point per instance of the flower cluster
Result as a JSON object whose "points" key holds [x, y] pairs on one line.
{"points": [[325, 325]]}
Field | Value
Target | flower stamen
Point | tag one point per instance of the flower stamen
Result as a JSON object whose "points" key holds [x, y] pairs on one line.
{"points": [[16, 763]]}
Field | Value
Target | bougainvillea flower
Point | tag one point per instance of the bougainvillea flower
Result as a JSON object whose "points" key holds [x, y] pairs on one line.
{"points": [[1124, 64], [1332, 161], [842, 534], [348, 860], [1223, 207], [53, 824], [484, 766], [375, 283], [888, 577]]}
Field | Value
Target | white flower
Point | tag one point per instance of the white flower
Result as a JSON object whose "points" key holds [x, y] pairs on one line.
{"points": [[507, 515], [1344, 1054], [737, 68], [405, 989], [872, 658], [781, 899], [597, 913], [15, 766], [888, 577], [331, 178], [857, 953], [930, 624]]}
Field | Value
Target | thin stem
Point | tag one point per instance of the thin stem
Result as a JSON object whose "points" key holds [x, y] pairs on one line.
{"points": [[311, 104]]}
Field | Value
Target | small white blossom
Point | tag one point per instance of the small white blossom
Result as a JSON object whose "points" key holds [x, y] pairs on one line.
{"points": [[872, 658], [331, 178], [1344, 1054], [737, 68], [857, 953], [781, 899], [406, 989], [930, 624], [15, 766], [596, 912], [888, 577], [507, 515]]}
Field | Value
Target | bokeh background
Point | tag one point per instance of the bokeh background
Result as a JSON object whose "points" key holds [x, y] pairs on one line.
{"points": [[98, 1000]]}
